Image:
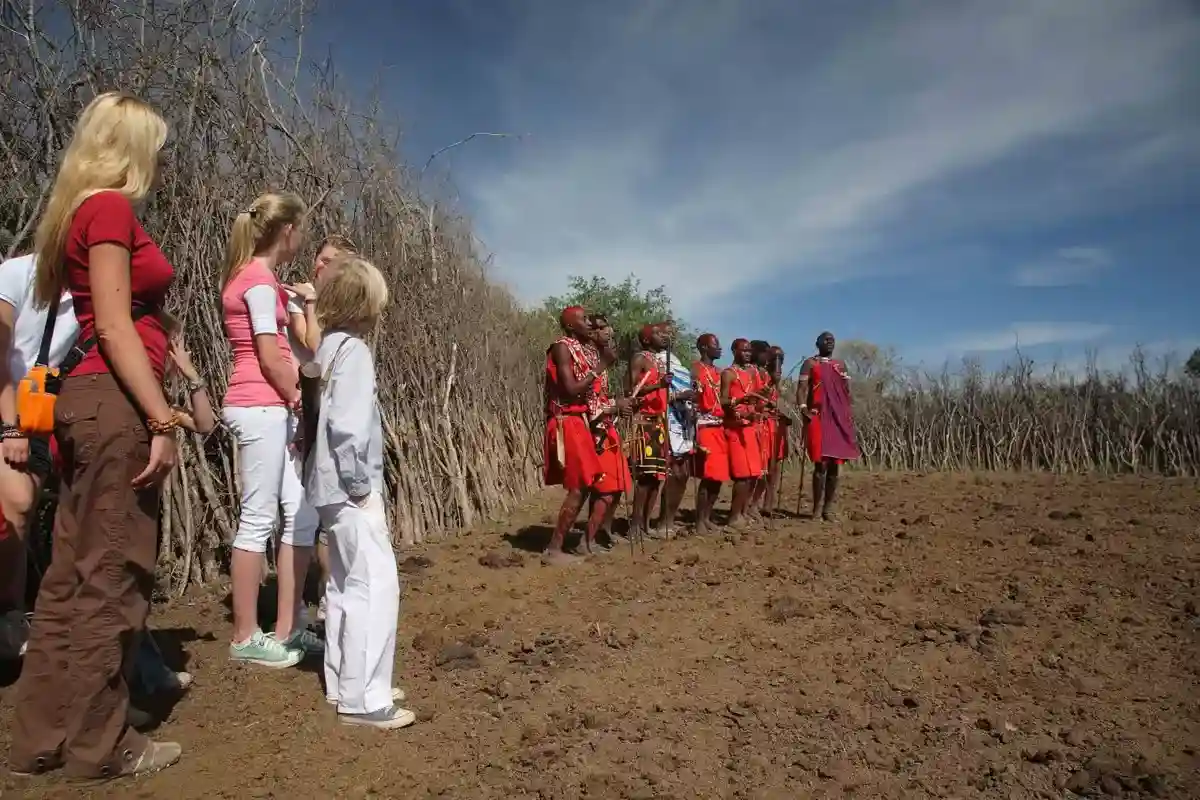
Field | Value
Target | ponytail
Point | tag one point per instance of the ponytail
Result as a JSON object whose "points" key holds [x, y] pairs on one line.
{"points": [[256, 229]]}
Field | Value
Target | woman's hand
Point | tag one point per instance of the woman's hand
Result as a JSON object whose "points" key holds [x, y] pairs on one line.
{"points": [[182, 359], [163, 455], [16, 451], [305, 291]]}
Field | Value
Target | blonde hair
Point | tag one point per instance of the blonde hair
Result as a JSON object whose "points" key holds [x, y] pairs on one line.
{"points": [[352, 294], [338, 242], [114, 148], [258, 227]]}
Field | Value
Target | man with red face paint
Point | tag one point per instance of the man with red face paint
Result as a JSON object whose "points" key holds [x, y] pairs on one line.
{"points": [[711, 461], [570, 451], [740, 417]]}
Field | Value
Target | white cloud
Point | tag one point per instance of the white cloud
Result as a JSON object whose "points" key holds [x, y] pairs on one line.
{"points": [[1026, 334], [730, 144], [1065, 267]]}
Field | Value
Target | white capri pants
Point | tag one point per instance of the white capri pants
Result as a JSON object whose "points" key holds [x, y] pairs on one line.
{"points": [[362, 600], [269, 469]]}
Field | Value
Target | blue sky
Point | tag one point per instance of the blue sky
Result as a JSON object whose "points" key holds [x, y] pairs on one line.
{"points": [[942, 177]]}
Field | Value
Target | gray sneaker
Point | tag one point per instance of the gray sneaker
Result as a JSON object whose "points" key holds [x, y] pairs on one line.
{"points": [[305, 642], [384, 719], [264, 650]]}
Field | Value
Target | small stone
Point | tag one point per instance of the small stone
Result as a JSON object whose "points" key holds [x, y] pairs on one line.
{"points": [[837, 769], [1079, 782], [457, 656], [1074, 737], [426, 641], [1046, 540], [415, 564], [1003, 615]]}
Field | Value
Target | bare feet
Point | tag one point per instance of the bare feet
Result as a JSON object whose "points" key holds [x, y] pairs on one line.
{"points": [[559, 558]]}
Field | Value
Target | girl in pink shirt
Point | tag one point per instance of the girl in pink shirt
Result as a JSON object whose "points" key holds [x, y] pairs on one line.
{"points": [[260, 408]]}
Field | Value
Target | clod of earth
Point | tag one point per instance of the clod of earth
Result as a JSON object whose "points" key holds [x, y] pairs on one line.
{"points": [[415, 564], [1003, 615], [497, 559], [781, 609], [457, 656], [1044, 539]]}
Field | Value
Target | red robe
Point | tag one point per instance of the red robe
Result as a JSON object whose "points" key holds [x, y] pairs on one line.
{"points": [[762, 383], [711, 461], [745, 455], [566, 418], [615, 466]]}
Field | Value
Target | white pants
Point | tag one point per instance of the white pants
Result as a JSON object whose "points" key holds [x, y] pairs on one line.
{"points": [[269, 469], [362, 600]]}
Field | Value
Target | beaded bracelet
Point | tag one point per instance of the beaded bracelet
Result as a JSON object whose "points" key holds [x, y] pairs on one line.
{"points": [[12, 432], [159, 427]]}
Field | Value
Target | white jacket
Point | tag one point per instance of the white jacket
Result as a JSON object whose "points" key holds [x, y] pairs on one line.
{"points": [[346, 459]]}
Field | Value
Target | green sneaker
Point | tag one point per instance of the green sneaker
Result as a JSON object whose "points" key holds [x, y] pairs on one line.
{"points": [[264, 650], [305, 642]]}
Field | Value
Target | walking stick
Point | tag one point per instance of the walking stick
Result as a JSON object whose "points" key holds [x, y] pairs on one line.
{"points": [[666, 432]]}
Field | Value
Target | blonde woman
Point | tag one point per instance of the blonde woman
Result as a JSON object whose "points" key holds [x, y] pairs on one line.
{"points": [[260, 409], [344, 480], [304, 332], [116, 432]]}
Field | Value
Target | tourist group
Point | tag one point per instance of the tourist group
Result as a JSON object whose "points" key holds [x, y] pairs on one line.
{"points": [[93, 363]]}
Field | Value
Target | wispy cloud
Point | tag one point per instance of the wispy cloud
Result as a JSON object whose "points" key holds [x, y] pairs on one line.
{"points": [[1066, 267], [1027, 334], [722, 146]]}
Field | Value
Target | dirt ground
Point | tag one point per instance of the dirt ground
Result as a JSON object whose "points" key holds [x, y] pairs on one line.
{"points": [[953, 636]]}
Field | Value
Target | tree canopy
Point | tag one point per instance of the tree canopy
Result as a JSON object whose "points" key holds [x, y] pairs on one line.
{"points": [[628, 307]]}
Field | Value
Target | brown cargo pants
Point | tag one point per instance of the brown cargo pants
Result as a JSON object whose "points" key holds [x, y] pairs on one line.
{"points": [[72, 698]]}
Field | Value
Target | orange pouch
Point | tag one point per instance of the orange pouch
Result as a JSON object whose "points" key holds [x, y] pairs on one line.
{"points": [[37, 394]]}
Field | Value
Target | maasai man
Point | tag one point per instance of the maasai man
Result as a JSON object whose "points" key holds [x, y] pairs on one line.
{"points": [[823, 395], [681, 432], [650, 446], [616, 480], [760, 358], [778, 425], [745, 457], [570, 451], [711, 461]]}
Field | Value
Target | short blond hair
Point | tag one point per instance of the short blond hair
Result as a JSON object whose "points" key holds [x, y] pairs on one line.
{"points": [[352, 294], [115, 147]]}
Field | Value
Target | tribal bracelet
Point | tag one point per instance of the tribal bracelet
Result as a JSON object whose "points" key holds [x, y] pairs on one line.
{"points": [[196, 385], [12, 432], [161, 427]]}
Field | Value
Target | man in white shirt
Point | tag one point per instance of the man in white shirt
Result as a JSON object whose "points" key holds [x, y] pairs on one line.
{"points": [[25, 462]]}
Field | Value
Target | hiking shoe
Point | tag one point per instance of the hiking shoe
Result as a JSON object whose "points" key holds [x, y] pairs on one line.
{"points": [[156, 756], [398, 696], [385, 718], [264, 650], [14, 635], [305, 642]]}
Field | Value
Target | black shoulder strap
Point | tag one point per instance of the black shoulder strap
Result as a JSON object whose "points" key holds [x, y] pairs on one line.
{"points": [[43, 357], [82, 346]]}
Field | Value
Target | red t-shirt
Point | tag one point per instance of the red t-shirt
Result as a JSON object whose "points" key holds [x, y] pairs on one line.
{"points": [[108, 218]]}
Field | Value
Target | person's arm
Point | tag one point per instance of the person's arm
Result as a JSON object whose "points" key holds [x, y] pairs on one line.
{"points": [[566, 372], [15, 449], [119, 342], [349, 417], [202, 419], [261, 301], [802, 388], [304, 324], [116, 335]]}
